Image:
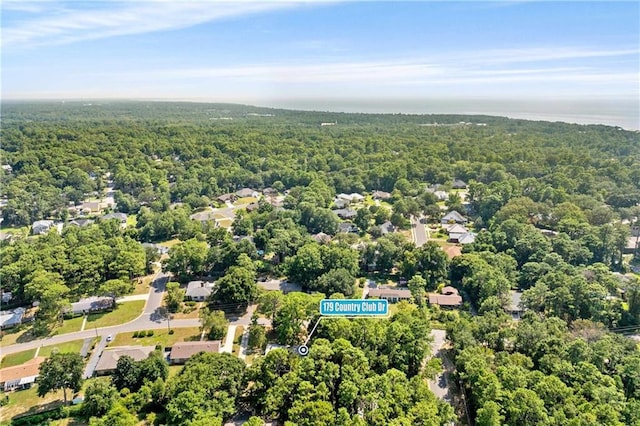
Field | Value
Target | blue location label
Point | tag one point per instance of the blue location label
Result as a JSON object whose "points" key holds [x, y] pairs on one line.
{"points": [[354, 307]]}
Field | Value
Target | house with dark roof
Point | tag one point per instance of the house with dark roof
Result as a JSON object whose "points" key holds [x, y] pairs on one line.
{"points": [[392, 295], [182, 351], [515, 308], [109, 358], [449, 298], [227, 197], [387, 228], [453, 217], [198, 291], [21, 376], [347, 227]]}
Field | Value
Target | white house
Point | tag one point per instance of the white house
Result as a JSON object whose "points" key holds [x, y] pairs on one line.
{"points": [[199, 291], [40, 227]]}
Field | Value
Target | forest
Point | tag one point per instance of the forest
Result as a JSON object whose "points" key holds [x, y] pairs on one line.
{"points": [[553, 205]]}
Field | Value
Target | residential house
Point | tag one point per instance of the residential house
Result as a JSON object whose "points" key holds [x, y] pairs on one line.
{"points": [[340, 203], [182, 351], [345, 213], [468, 238], [204, 216], [109, 358], [345, 197], [121, 217], [459, 184], [347, 227], [321, 237], [252, 207], [269, 191], [356, 198], [453, 217], [380, 195], [80, 222], [90, 207], [515, 308], [227, 197], [157, 247], [387, 228], [449, 298], [91, 304], [21, 376], [441, 195], [199, 291], [455, 232], [392, 295], [40, 227], [11, 318], [247, 192]]}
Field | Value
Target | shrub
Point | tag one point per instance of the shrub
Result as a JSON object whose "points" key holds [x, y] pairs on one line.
{"points": [[135, 334], [171, 331], [149, 333]]}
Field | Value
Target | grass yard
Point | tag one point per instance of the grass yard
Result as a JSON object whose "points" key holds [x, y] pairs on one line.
{"points": [[69, 326], [16, 335], [142, 284], [17, 358], [190, 315], [245, 200], [25, 400], [169, 243], [160, 337], [124, 313], [225, 223], [73, 346]]}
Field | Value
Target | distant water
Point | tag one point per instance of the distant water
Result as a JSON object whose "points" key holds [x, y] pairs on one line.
{"points": [[621, 113]]}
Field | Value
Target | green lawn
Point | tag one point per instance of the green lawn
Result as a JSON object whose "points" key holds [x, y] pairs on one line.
{"points": [[170, 243], [73, 346], [17, 358], [225, 223], [69, 326], [245, 200], [160, 337], [124, 313], [236, 340], [12, 335], [24, 400], [174, 369]]}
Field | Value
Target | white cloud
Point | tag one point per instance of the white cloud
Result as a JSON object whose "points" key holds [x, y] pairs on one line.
{"points": [[53, 25]]}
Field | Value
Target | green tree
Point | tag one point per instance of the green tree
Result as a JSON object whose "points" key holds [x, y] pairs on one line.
{"points": [[238, 286], [99, 397], [116, 288], [213, 323], [126, 374], [61, 371], [188, 258], [174, 296], [417, 285]]}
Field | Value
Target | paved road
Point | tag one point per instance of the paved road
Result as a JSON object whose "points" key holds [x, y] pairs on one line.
{"points": [[440, 385], [419, 231]]}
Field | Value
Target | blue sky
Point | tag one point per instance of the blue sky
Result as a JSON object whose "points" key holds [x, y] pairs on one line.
{"points": [[270, 53]]}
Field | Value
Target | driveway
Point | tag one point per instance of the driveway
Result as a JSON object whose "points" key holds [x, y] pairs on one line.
{"points": [[440, 385]]}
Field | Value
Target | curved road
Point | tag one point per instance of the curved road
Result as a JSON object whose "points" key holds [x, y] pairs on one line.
{"points": [[152, 317]]}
